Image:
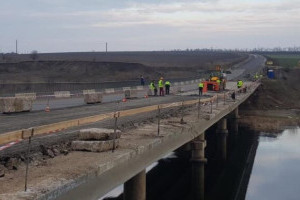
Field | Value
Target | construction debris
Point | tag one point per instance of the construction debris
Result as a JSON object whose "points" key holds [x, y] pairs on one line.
{"points": [[94, 146], [96, 140]]}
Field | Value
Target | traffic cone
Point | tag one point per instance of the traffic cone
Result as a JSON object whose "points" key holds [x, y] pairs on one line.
{"points": [[146, 96], [47, 109], [124, 100]]}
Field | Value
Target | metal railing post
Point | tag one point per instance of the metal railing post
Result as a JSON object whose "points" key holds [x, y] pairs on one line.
{"points": [[158, 120], [27, 158]]}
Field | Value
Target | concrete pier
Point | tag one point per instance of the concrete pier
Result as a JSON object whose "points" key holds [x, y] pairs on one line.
{"points": [[135, 188], [236, 113], [198, 163], [222, 133]]}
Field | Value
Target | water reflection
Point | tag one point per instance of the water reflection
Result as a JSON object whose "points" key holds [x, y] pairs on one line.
{"points": [[276, 170]]}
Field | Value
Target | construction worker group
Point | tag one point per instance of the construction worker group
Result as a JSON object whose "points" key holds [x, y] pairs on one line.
{"points": [[164, 87]]}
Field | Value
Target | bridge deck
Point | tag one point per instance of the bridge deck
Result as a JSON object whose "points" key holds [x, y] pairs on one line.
{"points": [[94, 174]]}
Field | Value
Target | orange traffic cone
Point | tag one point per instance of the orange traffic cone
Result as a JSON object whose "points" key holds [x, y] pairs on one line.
{"points": [[47, 109], [124, 100]]}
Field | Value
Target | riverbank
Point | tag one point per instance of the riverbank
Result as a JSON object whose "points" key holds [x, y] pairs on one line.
{"points": [[275, 105]]}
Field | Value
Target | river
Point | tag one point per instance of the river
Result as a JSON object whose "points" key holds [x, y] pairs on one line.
{"points": [[276, 168], [260, 166]]}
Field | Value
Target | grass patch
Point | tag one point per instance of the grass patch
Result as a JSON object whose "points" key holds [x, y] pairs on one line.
{"points": [[285, 60]]}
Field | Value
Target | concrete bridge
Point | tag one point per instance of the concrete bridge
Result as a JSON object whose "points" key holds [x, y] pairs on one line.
{"points": [[88, 175], [141, 148]]}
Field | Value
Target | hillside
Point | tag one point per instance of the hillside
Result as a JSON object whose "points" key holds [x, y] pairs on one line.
{"points": [[115, 66]]}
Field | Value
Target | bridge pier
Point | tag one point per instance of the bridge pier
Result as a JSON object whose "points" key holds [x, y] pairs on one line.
{"points": [[234, 122], [236, 113], [222, 133], [198, 163], [135, 188]]}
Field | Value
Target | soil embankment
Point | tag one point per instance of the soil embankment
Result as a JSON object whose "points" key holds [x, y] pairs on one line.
{"points": [[112, 66], [275, 105]]}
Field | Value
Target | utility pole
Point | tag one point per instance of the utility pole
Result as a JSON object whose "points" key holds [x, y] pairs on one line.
{"points": [[106, 47], [16, 46]]}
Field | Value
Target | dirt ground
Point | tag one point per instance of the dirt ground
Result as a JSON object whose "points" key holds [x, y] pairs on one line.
{"points": [[112, 66], [47, 170], [275, 105]]}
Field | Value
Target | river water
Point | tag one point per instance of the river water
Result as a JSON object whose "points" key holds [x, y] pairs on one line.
{"points": [[276, 169], [259, 167]]}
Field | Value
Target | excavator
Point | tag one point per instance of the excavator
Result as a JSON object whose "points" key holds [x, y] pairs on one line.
{"points": [[217, 81]]}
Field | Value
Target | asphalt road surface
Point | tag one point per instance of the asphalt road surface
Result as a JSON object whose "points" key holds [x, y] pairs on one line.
{"points": [[239, 71], [71, 108]]}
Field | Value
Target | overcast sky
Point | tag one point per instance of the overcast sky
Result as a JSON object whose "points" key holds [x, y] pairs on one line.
{"points": [[85, 25]]}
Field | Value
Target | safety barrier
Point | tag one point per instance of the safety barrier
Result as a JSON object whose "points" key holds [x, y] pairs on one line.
{"points": [[31, 95], [62, 94], [109, 90], [88, 91]]}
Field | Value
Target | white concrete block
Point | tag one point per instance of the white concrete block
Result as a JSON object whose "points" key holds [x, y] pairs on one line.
{"points": [[131, 94], [126, 88], [109, 90], [15, 104], [93, 98], [31, 95], [62, 94], [88, 91], [98, 134]]}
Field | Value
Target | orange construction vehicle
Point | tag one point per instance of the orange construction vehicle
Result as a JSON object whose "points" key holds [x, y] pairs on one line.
{"points": [[216, 80]]}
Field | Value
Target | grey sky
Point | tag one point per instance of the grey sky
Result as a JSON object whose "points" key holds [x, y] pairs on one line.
{"points": [[85, 25]]}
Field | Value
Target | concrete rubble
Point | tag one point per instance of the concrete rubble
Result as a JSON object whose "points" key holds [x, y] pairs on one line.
{"points": [[94, 146], [96, 140], [93, 98]]}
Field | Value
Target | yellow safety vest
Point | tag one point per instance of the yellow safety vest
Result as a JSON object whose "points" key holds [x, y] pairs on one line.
{"points": [[160, 83], [201, 85], [240, 83], [152, 86], [167, 83]]}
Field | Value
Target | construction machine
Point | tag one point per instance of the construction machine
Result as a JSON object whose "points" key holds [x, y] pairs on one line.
{"points": [[217, 80]]}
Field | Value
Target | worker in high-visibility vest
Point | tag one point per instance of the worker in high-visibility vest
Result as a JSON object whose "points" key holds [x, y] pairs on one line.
{"points": [[167, 86], [201, 85], [153, 88], [239, 84], [256, 77], [219, 83], [161, 86]]}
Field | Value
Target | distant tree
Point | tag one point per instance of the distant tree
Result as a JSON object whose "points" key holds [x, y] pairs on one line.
{"points": [[34, 55]]}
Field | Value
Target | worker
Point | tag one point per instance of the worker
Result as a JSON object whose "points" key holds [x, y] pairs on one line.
{"points": [[219, 83], [201, 85], [256, 77], [142, 80], [161, 86], [167, 86], [153, 87], [239, 84]]}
